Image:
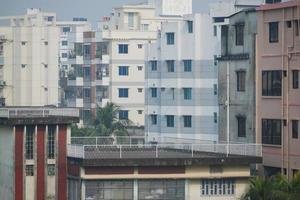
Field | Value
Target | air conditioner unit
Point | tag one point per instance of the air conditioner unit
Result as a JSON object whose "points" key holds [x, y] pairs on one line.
{"points": [[2, 83]]}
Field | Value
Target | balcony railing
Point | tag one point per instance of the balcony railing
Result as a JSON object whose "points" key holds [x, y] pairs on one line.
{"points": [[37, 112]]}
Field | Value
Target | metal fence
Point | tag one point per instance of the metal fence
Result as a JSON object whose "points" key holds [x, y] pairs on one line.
{"points": [[167, 150]]}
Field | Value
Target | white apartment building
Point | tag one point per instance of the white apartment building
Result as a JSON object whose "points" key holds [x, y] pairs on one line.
{"points": [[181, 81], [29, 59], [127, 31]]}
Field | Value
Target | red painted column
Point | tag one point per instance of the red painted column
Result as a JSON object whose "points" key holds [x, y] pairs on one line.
{"points": [[40, 187], [62, 163], [19, 153]]}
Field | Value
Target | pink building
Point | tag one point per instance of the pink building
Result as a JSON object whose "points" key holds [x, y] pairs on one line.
{"points": [[278, 92]]}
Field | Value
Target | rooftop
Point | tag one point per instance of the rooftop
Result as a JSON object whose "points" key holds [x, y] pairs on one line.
{"points": [[38, 115], [274, 6]]}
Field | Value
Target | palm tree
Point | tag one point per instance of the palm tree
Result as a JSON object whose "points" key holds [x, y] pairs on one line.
{"points": [[107, 122], [273, 188]]}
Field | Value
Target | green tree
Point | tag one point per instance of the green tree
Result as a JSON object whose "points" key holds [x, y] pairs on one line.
{"points": [[107, 122], [82, 132]]}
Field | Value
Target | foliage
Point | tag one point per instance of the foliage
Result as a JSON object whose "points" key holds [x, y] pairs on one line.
{"points": [[82, 132], [274, 188]]}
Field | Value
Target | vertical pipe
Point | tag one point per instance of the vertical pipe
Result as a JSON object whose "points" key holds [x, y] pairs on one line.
{"points": [[227, 107]]}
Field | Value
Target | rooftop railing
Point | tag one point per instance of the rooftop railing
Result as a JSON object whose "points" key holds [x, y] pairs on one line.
{"points": [[37, 112]]}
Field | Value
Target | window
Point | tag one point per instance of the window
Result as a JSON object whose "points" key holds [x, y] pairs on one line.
{"points": [[296, 22], [170, 38], [87, 93], [170, 65], [66, 29], [140, 90], [295, 129], [29, 170], [239, 34], [64, 43], [46, 43], [140, 68], [153, 64], [153, 119], [215, 31], [273, 1], [271, 131], [187, 121], [153, 92], [295, 79], [271, 83], [187, 65], [145, 27], [23, 43], [109, 190], [215, 117], [23, 65], [123, 92], [170, 120], [51, 142], [140, 46], [273, 32], [64, 55], [87, 73], [30, 130], [123, 48], [173, 93], [123, 114], [187, 93], [289, 24], [241, 80], [140, 112], [123, 71], [190, 26], [51, 170], [211, 187], [163, 189], [1, 48], [130, 19], [87, 50], [241, 122], [215, 89]]}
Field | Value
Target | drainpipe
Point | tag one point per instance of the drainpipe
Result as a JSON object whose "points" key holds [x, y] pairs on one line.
{"points": [[227, 107], [282, 94]]}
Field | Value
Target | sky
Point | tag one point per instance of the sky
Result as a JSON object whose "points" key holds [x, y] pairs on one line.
{"points": [[93, 10]]}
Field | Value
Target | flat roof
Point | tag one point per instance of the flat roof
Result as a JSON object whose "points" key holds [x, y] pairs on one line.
{"points": [[274, 6]]}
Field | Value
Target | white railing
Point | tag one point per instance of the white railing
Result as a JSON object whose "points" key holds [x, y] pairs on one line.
{"points": [[38, 112], [163, 150]]}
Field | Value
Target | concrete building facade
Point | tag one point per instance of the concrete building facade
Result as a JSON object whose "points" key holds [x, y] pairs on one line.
{"points": [[238, 57], [29, 59], [277, 94], [33, 152], [181, 83]]}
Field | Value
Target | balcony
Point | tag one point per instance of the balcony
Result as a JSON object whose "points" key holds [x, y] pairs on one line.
{"points": [[2, 101], [244, 56], [158, 148]]}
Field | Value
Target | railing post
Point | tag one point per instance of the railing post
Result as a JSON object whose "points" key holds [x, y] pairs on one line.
{"points": [[244, 149], [192, 151], [120, 151], [156, 152], [96, 141]]}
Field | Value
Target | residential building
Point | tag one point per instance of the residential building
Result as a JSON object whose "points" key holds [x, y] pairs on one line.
{"points": [[33, 152], [159, 171], [277, 94], [127, 32], [29, 59], [181, 83], [236, 78]]}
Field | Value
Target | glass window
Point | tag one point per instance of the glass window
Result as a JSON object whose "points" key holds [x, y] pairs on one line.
{"points": [[64, 55], [241, 122], [140, 46], [109, 190], [1, 48], [170, 120], [215, 31], [190, 26], [296, 25], [145, 27], [153, 64], [273, 32], [51, 142], [123, 71], [123, 48], [295, 129], [170, 65], [215, 117], [153, 119], [187, 121], [187, 93], [87, 50], [153, 92], [215, 89], [211, 187], [140, 90], [271, 83], [29, 142], [64, 43], [78, 47], [273, 1], [295, 79], [87, 93], [51, 170], [271, 131], [87, 73], [130, 19], [29, 170], [123, 92], [170, 38], [123, 114], [187, 65], [66, 29], [239, 35], [241, 81], [161, 189]]}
